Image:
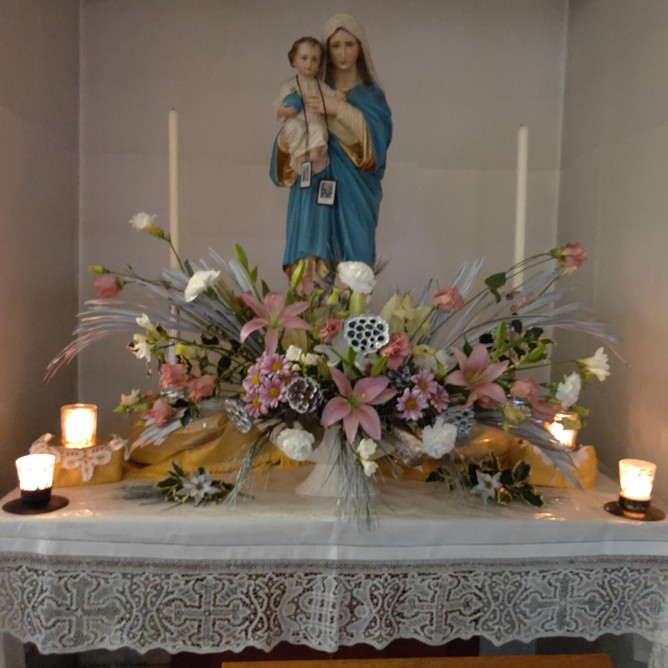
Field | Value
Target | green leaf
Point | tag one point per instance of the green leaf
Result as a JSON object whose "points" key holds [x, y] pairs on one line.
{"points": [[530, 496], [179, 471], [265, 289], [297, 275], [521, 471], [503, 496], [188, 268], [538, 354], [501, 334], [494, 282], [241, 256], [379, 366]]}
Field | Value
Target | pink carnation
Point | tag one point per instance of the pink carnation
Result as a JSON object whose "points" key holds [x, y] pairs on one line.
{"points": [[330, 330], [397, 350], [161, 412], [572, 256], [448, 300], [526, 389], [201, 387], [107, 285], [173, 375]]}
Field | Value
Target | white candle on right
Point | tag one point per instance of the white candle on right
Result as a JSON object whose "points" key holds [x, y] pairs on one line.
{"points": [[636, 479], [521, 201]]}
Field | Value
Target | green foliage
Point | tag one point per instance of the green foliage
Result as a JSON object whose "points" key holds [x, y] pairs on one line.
{"points": [[196, 486], [512, 482]]}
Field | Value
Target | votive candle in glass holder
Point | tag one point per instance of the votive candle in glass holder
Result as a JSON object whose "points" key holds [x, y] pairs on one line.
{"points": [[562, 431], [78, 425], [636, 479], [36, 478]]}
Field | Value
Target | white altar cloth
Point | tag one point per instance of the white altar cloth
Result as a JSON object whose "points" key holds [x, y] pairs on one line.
{"points": [[112, 571]]}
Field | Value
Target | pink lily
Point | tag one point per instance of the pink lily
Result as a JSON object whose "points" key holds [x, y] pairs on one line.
{"points": [[274, 315], [354, 406], [477, 373]]}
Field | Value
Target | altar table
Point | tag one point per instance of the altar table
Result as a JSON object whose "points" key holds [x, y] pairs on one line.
{"points": [[110, 571]]}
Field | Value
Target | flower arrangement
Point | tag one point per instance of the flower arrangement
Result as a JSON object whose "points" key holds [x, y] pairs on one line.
{"points": [[402, 385]]}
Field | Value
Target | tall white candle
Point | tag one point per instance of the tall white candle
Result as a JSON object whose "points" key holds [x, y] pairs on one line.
{"points": [[173, 142], [521, 200]]}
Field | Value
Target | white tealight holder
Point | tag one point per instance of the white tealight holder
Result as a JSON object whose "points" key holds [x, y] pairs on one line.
{"points": [[636, 479], [35, 482]]}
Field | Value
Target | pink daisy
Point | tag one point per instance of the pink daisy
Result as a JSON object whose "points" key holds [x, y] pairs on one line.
{"points": [[411, 404]]}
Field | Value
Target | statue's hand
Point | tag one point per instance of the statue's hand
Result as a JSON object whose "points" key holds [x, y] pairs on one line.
{"points": [[313, 103]]}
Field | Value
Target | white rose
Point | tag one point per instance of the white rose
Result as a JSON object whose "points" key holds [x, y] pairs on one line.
{"points": [[357, 276], [367, 448], [296, 443], [568, 390], [293, 353], [200, 282], [310, 359], [439, 438]]}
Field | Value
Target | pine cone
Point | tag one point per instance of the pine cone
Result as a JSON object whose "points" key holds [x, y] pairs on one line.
{"points": [[303, 394], [400, 377]]}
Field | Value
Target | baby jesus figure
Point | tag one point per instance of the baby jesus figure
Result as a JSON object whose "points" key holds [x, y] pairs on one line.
{"points": [[304, 135]]}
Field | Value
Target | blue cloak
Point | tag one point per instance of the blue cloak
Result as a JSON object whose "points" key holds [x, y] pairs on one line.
{"points": [[347, 230]]}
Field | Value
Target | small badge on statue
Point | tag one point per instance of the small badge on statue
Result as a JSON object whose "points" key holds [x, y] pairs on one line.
{"points": [[305, 180], [326, 192]]}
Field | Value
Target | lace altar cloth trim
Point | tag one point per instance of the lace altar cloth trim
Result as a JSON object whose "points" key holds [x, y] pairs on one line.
{"points": [[85, 459], [67, 604]]}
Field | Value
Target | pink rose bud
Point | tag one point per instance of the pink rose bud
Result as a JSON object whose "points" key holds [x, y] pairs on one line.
{"points": [[573, 256], [107, 285]]}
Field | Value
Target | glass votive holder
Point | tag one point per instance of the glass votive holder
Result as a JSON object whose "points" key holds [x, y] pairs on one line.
{"points": [[636, 480], [36, 479], [78, 424], [564, 429]]}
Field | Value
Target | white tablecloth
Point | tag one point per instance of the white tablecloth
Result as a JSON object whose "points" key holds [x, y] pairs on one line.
{"points": [[113, 571]]}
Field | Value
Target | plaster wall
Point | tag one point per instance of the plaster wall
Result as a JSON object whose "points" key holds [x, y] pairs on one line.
{"points": [[39, 113], [614, 199]]}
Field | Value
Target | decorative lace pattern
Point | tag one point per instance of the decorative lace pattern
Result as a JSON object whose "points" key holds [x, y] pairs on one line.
{"points": [[85, 459], [74, 604]]}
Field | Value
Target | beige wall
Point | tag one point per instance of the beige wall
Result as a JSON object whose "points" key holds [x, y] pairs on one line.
{"points": [[39, 69], [614, 199], [460, 76]]}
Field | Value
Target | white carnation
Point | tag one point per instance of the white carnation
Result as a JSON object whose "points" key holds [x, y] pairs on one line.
{"points": [[358, 276], [144, 222], [310, 359], [200, 282], [293, 353], [296, 443], [367, 448], [439, 438], [369, 467], [568, 391]]}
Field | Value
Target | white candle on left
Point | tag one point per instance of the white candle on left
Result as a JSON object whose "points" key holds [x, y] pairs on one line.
{"points": [[521, 201], [173, 143]]}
